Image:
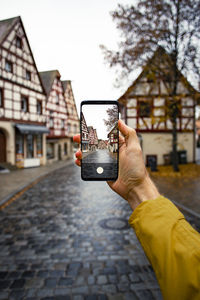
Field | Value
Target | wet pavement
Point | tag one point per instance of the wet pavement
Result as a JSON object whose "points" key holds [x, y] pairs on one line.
{"points": [[100, 158], [69, 239], [185, 191]]}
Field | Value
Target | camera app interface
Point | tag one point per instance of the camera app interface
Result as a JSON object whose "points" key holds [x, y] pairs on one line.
{"points": [[99, 141]]}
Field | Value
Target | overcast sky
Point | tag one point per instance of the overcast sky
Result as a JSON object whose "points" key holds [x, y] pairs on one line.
{"points": [[94, 116], [65, 35]]}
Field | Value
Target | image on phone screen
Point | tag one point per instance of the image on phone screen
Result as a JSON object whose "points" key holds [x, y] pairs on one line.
{"points": [[99, 140]]}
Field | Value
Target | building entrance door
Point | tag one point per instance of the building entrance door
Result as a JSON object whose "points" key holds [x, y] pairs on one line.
{"points": [[2, 147], [59, 152]]}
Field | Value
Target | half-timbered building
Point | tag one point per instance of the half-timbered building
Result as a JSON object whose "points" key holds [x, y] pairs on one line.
{"points": [[73, 122], [84, 134], [22, 99], [58, 140], [113, 139], [93, 139], [102, 144], [145, 107]]}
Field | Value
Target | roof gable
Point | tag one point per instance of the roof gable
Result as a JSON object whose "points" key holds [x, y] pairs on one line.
{"points": [[47, 78], [9, 30], [151, 82], [6, 26]]}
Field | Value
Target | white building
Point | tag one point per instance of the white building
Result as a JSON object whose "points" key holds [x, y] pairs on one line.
{"points": [[22, 99], [61, 116], [145, 106]]}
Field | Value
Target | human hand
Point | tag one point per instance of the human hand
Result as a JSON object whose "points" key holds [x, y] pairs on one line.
{"points": [[133, 182]]}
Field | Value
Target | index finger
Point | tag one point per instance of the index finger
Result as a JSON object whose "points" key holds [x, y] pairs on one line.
{"points": [[77, 138]]}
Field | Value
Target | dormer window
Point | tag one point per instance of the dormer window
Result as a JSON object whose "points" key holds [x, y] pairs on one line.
{"points": [[9, 66], [28, 75], [19, 42], [24, 104]]}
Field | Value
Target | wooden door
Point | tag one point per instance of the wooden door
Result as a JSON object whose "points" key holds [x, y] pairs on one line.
{"points": [[2, 147]]}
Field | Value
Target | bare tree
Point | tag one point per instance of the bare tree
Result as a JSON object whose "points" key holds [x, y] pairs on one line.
{"points": [[173, 25], [112, 117]]}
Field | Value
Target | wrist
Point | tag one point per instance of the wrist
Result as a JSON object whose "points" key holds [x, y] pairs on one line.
{"points": [[146, 190]]}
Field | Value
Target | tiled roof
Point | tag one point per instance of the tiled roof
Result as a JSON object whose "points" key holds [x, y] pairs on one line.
{"points": [[6, 26], [65, 83], [47, 78]]}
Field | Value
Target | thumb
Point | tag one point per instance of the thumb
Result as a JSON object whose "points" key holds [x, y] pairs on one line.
{"points": [[129, 133]]}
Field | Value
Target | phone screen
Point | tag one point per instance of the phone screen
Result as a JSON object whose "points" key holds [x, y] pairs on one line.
{"points": [[99, 140]]}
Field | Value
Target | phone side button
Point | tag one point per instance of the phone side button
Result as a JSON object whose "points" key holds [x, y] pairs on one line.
{"points": [[100, 170]]}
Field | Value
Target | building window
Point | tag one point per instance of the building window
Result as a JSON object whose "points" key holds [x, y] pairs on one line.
{"points": [[68, 127], [65, 148], [51, 119], [9, 66], [57, 98], [173, 109], [24, 104], [39, 107], [19, 143], [39, 145], [29, 146], [75, 128], [19, 42], [144, 109], [50, 150], [62, 124], [1, 97], [28, 75], [51, 122]]}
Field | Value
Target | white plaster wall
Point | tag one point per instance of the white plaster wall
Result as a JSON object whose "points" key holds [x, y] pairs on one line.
{"points": [[10, 141], [161, 143]]}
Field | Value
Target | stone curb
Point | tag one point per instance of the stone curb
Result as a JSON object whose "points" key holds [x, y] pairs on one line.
{"points": [[28, 185], [187, 210]]}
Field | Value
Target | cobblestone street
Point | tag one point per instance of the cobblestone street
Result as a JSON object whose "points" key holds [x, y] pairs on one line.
{"points": [[94, 159], [69, 239], [98, 156]]}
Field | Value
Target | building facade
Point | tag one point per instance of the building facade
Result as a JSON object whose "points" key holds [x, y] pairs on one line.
{"points": [[84, 134], [113, 139], [58, 117], [145, 107], [22, 100], [73, 122], [93, 139]]}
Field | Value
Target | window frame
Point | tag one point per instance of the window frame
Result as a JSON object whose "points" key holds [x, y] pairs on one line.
{"points": [[143, 113], [62, 123], [39, 150], [28, 75], [8, 62], [57, 98], [19, 39], [29, 146], [24, 97], [1, 97], [39, 102]]}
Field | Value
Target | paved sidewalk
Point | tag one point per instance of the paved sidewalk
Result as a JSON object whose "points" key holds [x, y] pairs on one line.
{"points": [[69, 239], [15, 181]]}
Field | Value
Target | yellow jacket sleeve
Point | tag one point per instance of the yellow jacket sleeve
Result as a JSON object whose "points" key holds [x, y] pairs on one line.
{"points": [[172, 247]]}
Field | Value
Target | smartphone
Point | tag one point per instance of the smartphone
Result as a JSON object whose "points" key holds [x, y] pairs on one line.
{"points": [[99, 140]]}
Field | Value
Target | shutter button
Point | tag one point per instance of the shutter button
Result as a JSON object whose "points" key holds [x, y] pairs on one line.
{"points": [[100, 170]]}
